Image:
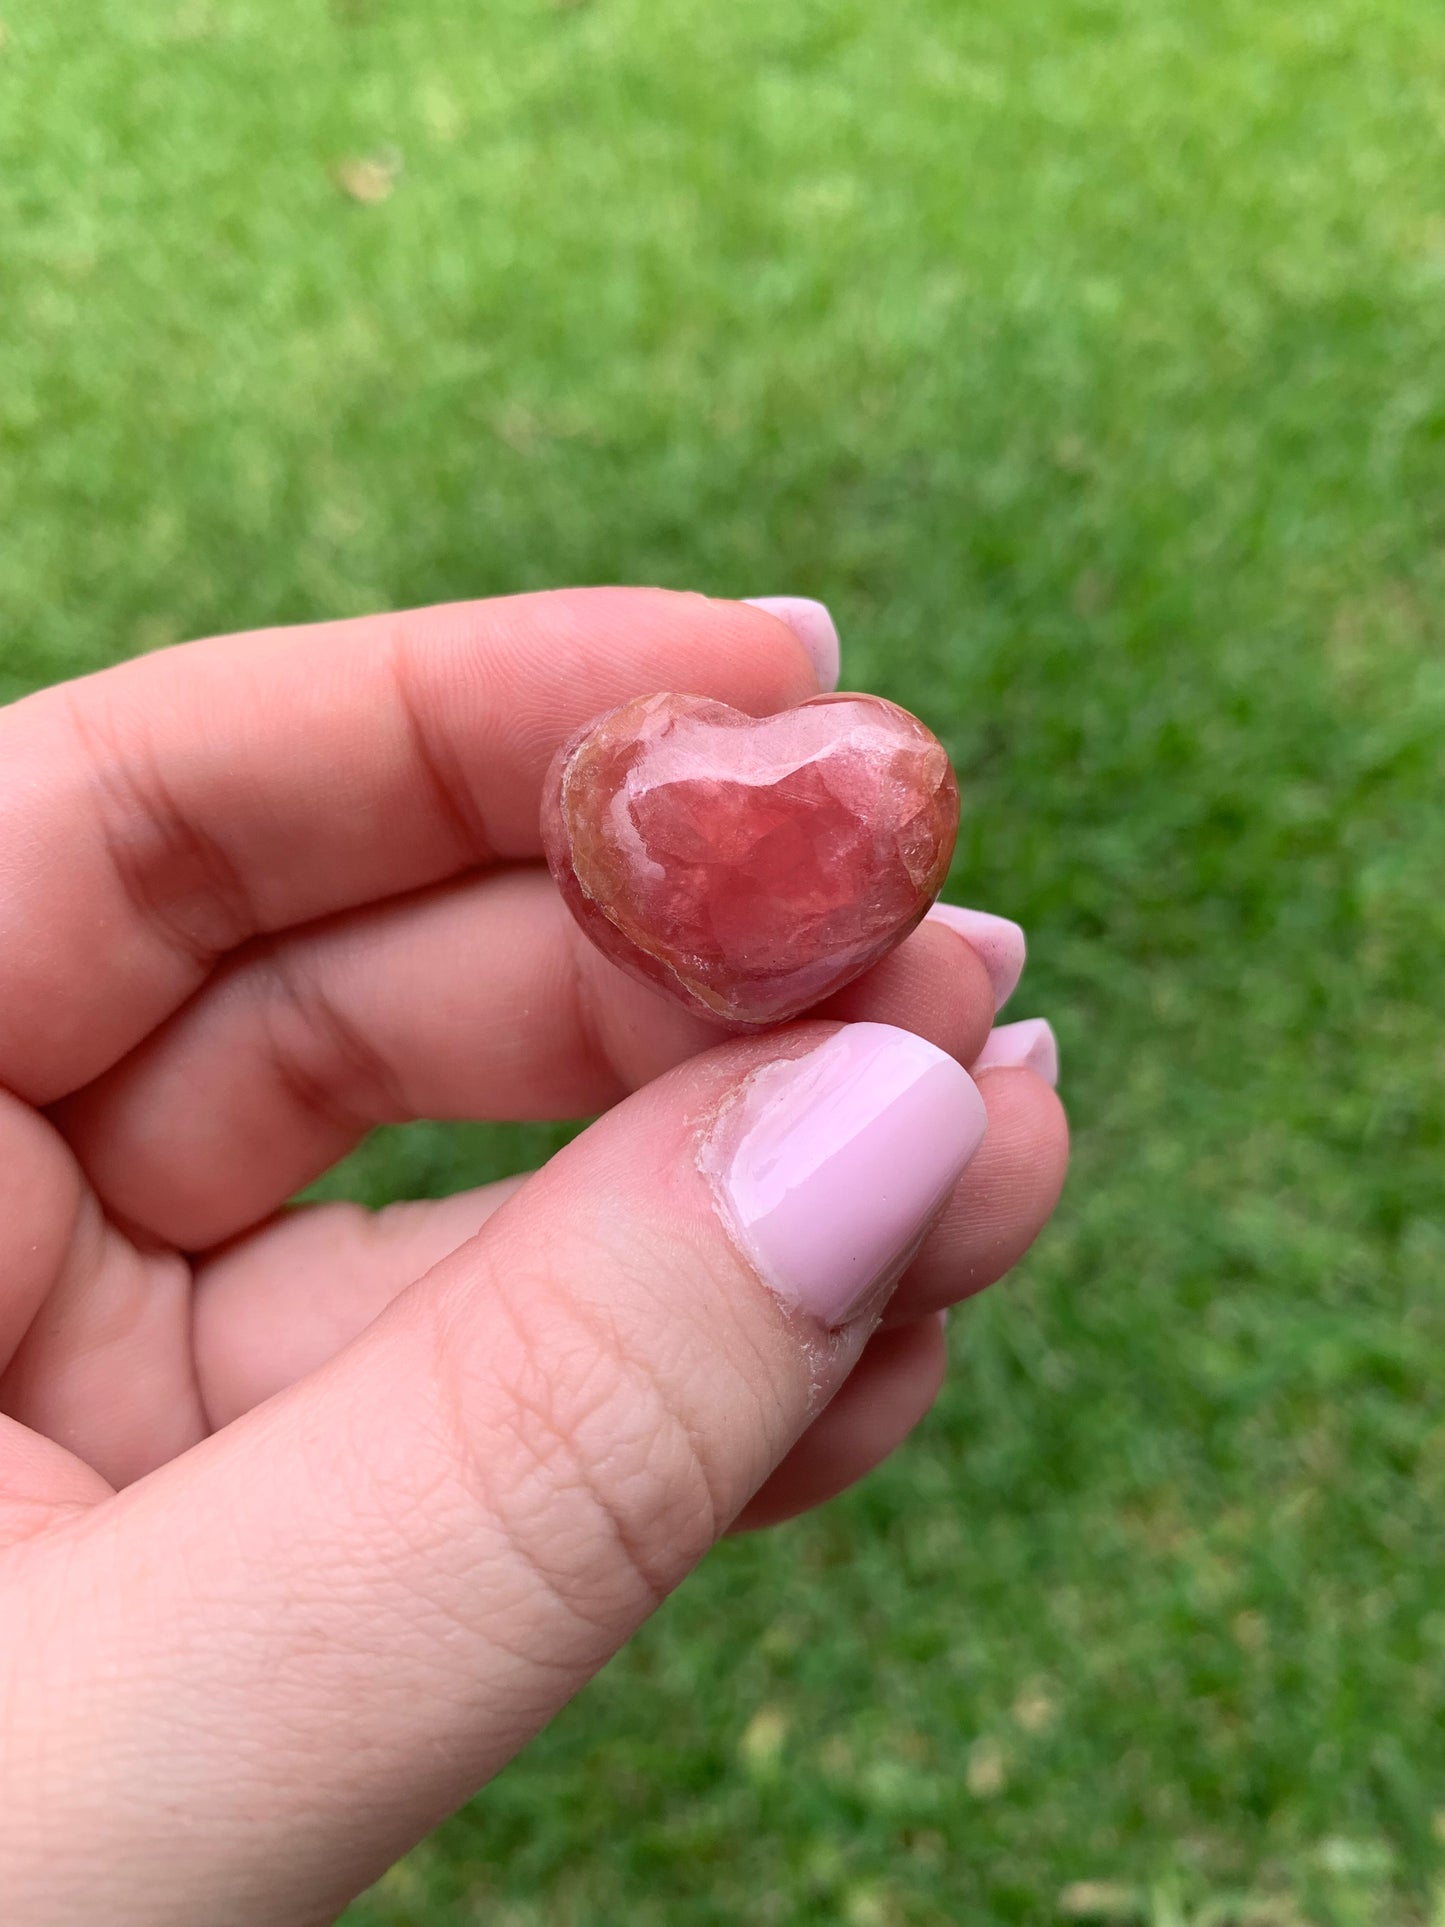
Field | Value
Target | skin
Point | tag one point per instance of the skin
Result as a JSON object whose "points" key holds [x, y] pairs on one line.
{"points": [[310, 1518]]}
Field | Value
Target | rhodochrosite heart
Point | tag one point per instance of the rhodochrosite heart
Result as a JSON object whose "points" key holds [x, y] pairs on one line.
{"points": [[749, 865]]}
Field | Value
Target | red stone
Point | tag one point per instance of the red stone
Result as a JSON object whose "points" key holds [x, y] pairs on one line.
{"points": [[748, 866]]}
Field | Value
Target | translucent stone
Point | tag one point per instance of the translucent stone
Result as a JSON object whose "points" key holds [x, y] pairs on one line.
{"points": [[749, 866]]}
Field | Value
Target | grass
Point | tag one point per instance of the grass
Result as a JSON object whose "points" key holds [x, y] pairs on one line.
{"points": [[1087, 357]]}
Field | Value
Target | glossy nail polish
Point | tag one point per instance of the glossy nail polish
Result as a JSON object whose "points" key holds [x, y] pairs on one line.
{"points": [[830, 1167], [1030, 1045]]}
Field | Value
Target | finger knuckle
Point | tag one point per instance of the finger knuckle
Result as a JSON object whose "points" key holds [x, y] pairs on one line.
{"points": [[176, 873], [582, 1447], [322, 1057]]}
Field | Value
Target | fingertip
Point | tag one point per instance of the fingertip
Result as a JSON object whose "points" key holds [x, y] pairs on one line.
{"points": [[813, 625], [830, 1166], [929, 985], [891, 1390], [1030, 1045], [1029, 1129], [1003, 1200], [998, 943]]}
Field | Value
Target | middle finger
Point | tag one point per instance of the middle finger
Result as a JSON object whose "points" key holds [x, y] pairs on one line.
{"points": [[477, 999]]}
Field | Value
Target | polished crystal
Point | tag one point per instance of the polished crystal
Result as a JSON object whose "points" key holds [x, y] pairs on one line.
{"points": [[748, 866]]}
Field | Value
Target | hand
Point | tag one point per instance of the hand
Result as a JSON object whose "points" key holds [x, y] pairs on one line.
{"points": [[308, 1518]]}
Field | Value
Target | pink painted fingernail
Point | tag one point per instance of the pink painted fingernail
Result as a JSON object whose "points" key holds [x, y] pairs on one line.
{"points": [[999, 944], [831, 1167], [812, 625], [1029, 1046]]}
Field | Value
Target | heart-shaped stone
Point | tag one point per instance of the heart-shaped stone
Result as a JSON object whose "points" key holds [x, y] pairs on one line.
{"points": [[749, 865]]}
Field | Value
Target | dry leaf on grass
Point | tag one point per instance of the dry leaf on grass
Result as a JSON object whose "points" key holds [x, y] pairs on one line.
{"points": [[1103, 1900], [763, 1738], [368, 178], [987, 1769]]}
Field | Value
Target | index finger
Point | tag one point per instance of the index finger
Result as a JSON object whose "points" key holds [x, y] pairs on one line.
{"points": [[156, 815]]}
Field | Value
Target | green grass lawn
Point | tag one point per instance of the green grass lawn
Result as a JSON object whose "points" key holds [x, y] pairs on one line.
{"points": [[1088, 358]]}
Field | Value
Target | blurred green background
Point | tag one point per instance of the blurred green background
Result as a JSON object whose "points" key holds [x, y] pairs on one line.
{"points": [[1089, 358]]}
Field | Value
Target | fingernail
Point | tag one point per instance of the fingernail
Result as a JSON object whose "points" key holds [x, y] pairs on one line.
{"points": [[831, 1167], [1000, 945], [1029, 1046], [812, 625]]}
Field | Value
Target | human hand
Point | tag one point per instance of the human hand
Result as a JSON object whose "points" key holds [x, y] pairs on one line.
{"points": [[309, 1519]]}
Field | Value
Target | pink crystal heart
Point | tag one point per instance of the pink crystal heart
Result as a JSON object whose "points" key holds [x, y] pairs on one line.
{"points": [[749, 865]]}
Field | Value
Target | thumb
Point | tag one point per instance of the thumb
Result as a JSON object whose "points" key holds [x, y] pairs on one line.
{"points": [[292, 1651]]}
